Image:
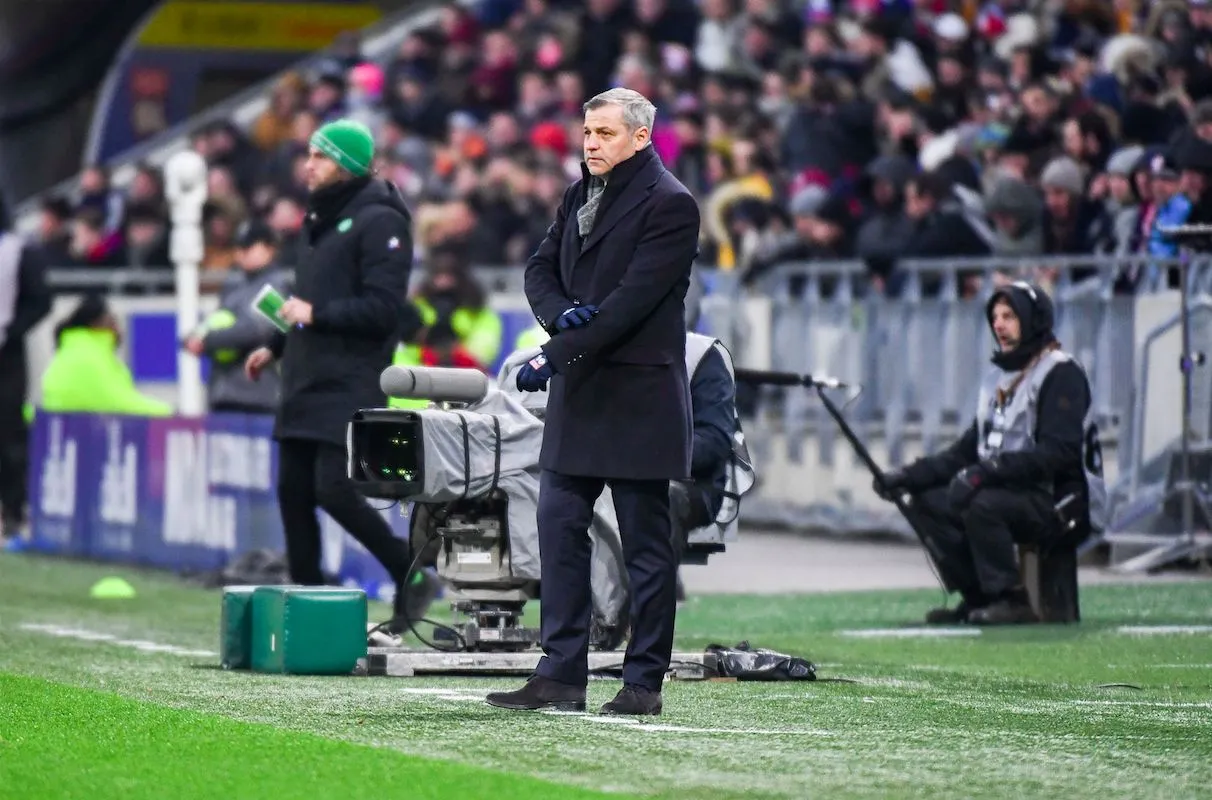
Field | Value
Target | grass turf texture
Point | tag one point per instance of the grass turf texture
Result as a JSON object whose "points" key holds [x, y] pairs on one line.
{"points": [[1011, 712]]}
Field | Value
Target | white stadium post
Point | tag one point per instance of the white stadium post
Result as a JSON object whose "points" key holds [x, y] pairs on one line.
{"points": [[185, 187]]}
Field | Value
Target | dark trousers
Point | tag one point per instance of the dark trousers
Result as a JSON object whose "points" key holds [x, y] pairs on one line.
{"points": [[312, 475], [565, 512], [14, 441], [973, 548]]}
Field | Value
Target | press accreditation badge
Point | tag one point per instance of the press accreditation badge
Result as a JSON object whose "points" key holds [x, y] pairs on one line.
{"points": [[996, 432]]}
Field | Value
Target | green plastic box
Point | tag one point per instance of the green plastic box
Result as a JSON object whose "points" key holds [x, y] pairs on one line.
{"points": [[308, 630], [235, 631]]}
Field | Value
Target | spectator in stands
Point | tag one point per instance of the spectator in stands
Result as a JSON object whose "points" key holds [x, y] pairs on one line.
{"points": [[1170, 208], [327, 98], [96, 193], [234, 330], [223, 193], [1017, 213], [25, 300], [55, 231], [822, 89], [275, 125], [943, 225], [87, 374], [218, 231], [147, 189], [886, 230], [91, 245], [146, 237], [1118, 192], [286, 221], [1073, 224], [458, 328]]}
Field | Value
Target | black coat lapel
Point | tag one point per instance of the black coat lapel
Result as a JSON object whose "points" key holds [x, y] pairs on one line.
{"points": [[570, 244]]}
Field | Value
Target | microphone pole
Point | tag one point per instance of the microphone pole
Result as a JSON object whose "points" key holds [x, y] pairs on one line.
{"points": [[760, 377]]}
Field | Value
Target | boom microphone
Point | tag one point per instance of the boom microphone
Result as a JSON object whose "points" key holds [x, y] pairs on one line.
{"points": [[444, 384], [763, 377]]}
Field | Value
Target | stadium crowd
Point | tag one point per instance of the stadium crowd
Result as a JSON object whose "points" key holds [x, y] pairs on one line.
{"points": [[825, 129]]}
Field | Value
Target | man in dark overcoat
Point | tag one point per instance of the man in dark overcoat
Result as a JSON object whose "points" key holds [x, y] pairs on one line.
{"points": [[609, 283]]}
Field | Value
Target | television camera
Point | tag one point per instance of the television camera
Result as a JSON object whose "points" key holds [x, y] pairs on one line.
{"points": [[469, 466]]}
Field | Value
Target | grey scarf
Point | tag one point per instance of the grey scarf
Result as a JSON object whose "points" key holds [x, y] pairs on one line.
{"points": [[588, 213], [10, 264]]}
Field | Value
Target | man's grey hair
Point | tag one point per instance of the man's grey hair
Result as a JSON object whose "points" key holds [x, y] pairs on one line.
{"points": [[638, 110]]}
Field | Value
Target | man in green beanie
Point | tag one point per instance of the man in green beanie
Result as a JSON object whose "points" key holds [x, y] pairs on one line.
{"points": [[346, 316]]}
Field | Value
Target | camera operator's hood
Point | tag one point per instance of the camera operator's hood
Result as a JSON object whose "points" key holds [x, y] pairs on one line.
{"points": [[1036, 317]]}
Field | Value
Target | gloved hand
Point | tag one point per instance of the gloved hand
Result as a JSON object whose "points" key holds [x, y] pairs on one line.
{"points": [[964, 486], [534, 374], [575, 317], [895, 482]]}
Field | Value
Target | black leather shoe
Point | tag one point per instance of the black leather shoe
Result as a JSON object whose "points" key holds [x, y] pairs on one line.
{"points": [[949, 616], [1004, 612], [540, 692], [634, 701]]}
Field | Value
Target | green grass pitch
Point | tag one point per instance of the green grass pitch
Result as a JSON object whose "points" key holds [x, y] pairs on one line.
{"points": [[123, 699]]}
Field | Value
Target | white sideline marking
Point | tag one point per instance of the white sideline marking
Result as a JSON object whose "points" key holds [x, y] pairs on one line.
{"points": [[908, 633], [138, 644], [462, 695], [637, 725], [1159, 666], [1147, 703], [1162, 630]]}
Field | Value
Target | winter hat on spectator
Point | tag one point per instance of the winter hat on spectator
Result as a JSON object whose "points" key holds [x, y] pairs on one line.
{"points": [[1014, 198], [807, 201], [1161, 164], [550, 136], [369, 78], [347, 142], [951, 27], [1194, 154], [255, 232], [1063, 173], [1123, 161]]}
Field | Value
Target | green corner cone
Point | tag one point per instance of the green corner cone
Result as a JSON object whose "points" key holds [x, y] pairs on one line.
{"points": [[112, 589]]}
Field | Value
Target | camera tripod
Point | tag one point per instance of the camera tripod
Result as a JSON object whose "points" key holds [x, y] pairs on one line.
{"points": [[1189, 544]]}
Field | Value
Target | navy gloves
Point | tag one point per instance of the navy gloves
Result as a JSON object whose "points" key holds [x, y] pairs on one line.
{"points": [[534, 374], [575, 317]]}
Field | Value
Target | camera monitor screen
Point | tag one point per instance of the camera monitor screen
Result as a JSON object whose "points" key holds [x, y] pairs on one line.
{"points": [[388, 453]]}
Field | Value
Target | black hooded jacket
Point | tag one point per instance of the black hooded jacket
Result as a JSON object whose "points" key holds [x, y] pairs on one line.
{"points": [[1064, 399], [355, 274]]}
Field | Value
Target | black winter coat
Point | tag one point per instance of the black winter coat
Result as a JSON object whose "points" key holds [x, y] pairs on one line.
{"points": [[619, 404], [355, 274]]}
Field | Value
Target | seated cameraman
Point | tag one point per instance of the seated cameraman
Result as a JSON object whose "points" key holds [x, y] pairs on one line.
{"points": [[696, 502], [1031, 445]]}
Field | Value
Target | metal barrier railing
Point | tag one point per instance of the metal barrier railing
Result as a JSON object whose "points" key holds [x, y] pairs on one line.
{"points": [[919, 356]]}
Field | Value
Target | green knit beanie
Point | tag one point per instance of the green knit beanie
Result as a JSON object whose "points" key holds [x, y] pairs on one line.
{"points": [[347, 142]]}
